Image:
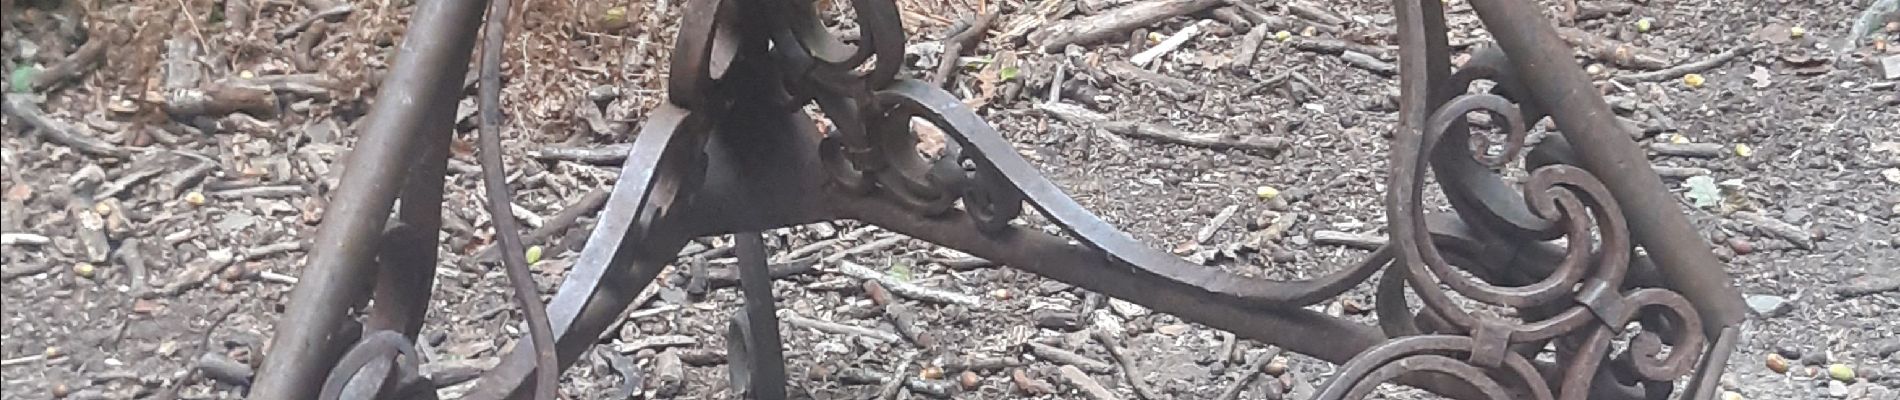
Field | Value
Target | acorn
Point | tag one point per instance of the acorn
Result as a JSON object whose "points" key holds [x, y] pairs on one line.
{"points": [[1777, 363], [969, 380]]}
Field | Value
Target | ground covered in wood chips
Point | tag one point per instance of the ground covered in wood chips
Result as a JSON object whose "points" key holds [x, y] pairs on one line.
{"points": [[152, 236]]}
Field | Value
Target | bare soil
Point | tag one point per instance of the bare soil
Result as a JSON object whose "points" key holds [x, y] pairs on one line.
{"points": [[210, 212]]}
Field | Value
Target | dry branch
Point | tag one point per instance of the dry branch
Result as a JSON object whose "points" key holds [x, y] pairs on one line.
{"points": [[1077, 115], [1786, 231], [1065, 357], [561, 222], [1115, 23], [1088, 386], [1353, 240], [1176, 88], [796, 320], [1685, 69], [27, 110], [1330, 46], [1115, 350], [612, 154], [906, 289]]}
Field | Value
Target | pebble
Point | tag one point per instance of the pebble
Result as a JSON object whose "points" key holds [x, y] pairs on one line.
{"points": [[1768, 306], [1836, 389], [1126, 308], [1815, 358], [1789, 352]]}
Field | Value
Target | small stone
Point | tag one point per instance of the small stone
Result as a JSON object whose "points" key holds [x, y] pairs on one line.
{"points": [[51, 353], [1815, 358], [60, 391], [1836, 389], [1891, 64], [195, 198], [1789, 352], [969, 380], [931, 373], [144, 306], [1126, 308], [1172, 329], [1768, 306]]}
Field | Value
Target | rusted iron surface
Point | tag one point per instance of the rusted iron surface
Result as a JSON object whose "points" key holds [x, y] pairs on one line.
{"points": [[731, 152]]}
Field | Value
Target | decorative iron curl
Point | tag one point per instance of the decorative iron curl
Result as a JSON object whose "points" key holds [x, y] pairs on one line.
{"points": [[1578, 303], [1399, 358]]}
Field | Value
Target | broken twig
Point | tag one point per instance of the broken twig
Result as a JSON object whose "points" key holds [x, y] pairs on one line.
{"points": [[1129, 371], [906, 289], [1353, 240], [1077, 115], [1786, 231], [27, 110], [1685, 69], [1065, 357], [796, 320], [1088, 386], [955, 45]]}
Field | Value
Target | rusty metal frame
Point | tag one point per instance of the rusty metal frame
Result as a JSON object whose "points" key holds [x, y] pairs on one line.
{"points": [[731, 153]]}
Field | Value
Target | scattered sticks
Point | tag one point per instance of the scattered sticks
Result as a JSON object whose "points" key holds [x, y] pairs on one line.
{"points": [[1115, 23], [1077, 115], [906, 289], [24, 108], [955, 45], [1249, 49], [1678, 71]]}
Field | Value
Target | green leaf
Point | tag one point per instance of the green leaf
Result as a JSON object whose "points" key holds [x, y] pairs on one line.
{"points": [[1007, 74], [1704, 192], [22, 78], [901, 271]]}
